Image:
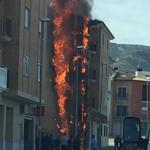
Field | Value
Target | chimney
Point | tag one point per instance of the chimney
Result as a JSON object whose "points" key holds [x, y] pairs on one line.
{"points": [[139, 72]]}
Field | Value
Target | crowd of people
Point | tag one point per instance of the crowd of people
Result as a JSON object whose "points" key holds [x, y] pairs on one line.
{"points": [[60, 142]]}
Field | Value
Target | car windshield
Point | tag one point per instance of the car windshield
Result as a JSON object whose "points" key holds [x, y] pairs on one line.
{"points": [[131, 130]]}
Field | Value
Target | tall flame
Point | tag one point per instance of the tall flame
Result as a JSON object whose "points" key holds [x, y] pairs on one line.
{"points": [[64, 44], [62, 50], [85, 44], [83, 82]]}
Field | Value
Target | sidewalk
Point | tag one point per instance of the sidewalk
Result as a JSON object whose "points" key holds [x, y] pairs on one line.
{"points": [[111, 145], [107, 148]]}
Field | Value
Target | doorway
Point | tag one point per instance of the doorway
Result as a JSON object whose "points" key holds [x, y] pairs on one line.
{"points": [[28, 134]]}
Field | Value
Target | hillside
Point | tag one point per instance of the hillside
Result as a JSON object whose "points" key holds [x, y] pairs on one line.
{"points": [[127, 57]]}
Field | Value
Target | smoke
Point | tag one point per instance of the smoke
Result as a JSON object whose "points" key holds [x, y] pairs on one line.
{"points": [[85, 7], [80, 7]]}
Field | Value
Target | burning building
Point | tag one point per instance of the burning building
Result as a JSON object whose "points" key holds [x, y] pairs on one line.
{"points": [[77, 49], [69, 34]]}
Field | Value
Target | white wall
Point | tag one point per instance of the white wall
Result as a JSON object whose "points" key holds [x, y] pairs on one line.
{"points": [[105, 135], [18, 122]]}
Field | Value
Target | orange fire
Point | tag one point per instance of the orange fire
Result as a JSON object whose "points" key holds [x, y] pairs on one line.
{"points": [[75, 59], [84, 71], [62, 49], [85, 44], [84, 51], [85, 32]]}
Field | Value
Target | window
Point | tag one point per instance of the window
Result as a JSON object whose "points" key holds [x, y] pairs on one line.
{"points": [[144, 93], [105, 131], [1, 125], [106, 70], [6, 26], [144, 127], [103, 39], [121, 92], [27, 17], [3, 78], [26, 65], [107, 45], [38, 71], [40, 26], [9, 126], [144, 110], [93, 47], [121, 111]]}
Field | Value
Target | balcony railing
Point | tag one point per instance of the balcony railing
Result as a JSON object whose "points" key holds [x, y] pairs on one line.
{"points": [[5, 29]]}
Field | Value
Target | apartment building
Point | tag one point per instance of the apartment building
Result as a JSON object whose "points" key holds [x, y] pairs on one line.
{"points": [[20, 52], [130, 98], [99, 39]]}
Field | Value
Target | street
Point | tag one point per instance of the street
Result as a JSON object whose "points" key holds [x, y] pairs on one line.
{"points": [[108, 148], [110, 145]]}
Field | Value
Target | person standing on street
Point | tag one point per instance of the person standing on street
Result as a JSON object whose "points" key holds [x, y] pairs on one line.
{"points": [[51, 142], [57, 143], [64, 142], [117, 142], [93, 143]]}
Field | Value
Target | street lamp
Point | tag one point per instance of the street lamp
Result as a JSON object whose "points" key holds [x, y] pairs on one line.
{"points": [[42, 21]]}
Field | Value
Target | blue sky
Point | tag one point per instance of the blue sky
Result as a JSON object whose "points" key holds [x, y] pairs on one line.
{"points": [[128, 20]]}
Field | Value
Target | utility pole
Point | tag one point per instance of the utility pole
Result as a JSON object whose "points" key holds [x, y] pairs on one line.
{"points": [[43, 20]]}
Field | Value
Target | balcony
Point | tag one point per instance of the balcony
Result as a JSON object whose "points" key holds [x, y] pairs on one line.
{"points": [[5, 29]]}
